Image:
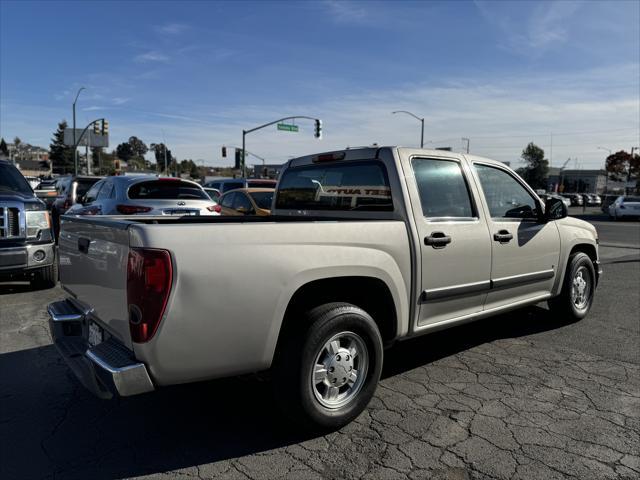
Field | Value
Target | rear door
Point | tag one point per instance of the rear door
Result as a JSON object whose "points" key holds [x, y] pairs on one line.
{"points": [[525, 252], [455, 250]]}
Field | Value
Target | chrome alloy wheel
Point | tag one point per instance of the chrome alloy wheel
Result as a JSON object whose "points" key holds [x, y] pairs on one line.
{"points": [[581, 288], [340, 370]]}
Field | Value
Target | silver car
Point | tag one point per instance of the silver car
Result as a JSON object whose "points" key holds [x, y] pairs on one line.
{"points": [[145, 195]]}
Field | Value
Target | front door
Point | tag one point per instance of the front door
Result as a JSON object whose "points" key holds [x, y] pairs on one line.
{"points": [[455, 250], [525, 251]]}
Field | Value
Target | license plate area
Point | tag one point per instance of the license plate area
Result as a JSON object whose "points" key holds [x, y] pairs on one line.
{"points": [[178, 211], [96, 334]]}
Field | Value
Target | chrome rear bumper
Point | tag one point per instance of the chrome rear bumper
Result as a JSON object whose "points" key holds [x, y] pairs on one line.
{"points": [[106, 369]]}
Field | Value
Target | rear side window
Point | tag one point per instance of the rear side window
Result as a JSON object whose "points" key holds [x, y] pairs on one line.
{"points": [[362, 186], [166, 190], [442, 188], [227, 200], [263, 199]]}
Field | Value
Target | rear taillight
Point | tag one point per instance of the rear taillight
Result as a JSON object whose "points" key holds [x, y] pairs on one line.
{"points": [[149, 278], [215, 208], [132, 209]]}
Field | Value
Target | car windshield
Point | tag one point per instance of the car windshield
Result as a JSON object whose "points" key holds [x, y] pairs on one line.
{"points": [[12, 180], [167, 189], [263, 199]]}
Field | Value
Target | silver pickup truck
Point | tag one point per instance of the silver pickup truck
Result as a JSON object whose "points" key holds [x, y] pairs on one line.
{"points": [[365, 247]]}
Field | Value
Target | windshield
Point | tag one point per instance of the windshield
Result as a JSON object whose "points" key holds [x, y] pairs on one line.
{"points": [[166, 190], [263, 199], [12, 180]]}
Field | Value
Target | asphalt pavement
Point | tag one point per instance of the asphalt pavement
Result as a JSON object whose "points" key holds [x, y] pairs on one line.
{"points": [[519, 396]]}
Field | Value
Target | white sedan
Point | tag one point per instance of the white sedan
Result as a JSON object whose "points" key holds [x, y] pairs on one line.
{"points": [[625, 206]]}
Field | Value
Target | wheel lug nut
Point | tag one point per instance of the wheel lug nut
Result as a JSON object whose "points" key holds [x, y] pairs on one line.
{"points": [[344, 379], [350, 368], [338, 357], [347, 357], [331, 369], [335, 380]]}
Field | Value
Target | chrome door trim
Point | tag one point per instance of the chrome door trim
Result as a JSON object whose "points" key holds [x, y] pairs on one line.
{"points": [[523, 278], [465, 289]]}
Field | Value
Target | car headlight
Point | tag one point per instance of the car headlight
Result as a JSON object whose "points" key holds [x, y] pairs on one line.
{"points": [[37, 221]]}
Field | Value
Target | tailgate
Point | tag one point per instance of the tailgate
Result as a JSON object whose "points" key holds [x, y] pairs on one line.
{"points": [[93, 267]]}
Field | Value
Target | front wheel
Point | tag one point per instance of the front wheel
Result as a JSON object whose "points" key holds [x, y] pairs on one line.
{"points": [[327, 370], [576, 296]]}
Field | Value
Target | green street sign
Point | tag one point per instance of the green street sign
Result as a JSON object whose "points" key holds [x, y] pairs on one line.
{"points": [[287, 128]]}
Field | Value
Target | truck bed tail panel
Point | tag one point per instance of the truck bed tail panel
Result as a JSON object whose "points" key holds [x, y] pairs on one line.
{"points": [[93, 267]]}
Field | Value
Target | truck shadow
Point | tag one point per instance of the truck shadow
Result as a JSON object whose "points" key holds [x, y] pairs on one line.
{"points": [[52, 427]]}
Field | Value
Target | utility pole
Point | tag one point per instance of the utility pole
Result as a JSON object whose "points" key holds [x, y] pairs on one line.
{"points": [[464, 139], [75, 149], [164, 143], [421, 120], [551, 150], [606, 178]]}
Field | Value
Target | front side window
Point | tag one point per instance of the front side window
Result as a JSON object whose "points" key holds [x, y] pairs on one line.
{"points": [[227, 200], [442, 188], [263, 199], [505, 196], [92, 194], [361, 186], [241, 201]]}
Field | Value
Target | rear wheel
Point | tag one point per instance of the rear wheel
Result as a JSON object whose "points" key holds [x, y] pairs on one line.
{"points": [[576, 297], [326, 371]]}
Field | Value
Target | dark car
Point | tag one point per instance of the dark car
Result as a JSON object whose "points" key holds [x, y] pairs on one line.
{"points": [[70, 190], [226, 184], [46, 191], [26, 241]]}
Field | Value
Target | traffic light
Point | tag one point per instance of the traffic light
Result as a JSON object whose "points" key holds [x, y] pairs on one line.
{"points": [[96, 128], [224, 152], [318, 130], [105, 127], [238, 159]]}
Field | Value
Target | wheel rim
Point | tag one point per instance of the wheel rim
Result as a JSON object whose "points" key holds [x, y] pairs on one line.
{"points": [[581, 288], [339, 370]]}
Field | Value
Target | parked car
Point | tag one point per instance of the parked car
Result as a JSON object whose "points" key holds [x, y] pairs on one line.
{"points": [[46, 191], [625, 206], [214, 194], [575, 199], [247, 201], [565, 200], [32, 181], [364, 247], [26, 241], [146, 195], [226, 184], [70, 189]]}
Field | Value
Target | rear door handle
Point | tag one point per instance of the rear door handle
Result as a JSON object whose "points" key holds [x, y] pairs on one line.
{"points": [[83, 245], [437, 240], [503, 236]]}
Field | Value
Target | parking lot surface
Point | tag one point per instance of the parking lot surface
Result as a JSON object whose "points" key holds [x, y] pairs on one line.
{"points": [[520, 396]]}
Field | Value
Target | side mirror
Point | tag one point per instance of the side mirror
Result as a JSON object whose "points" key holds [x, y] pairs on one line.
{"points": [[554, 209]]}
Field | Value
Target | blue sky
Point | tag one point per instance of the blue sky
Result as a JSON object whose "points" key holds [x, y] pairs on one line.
{"points": [[500, 73]]}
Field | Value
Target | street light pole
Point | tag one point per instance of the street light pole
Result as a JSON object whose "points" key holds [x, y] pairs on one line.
{"points": [[606, 178], [75, 152], [421, 120]]}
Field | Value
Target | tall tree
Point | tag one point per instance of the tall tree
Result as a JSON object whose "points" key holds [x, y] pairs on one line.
{"points": [[124, 151], [17, 142], [622, 166], [3, 147], [536, 170], [60, 155], [138, 147]]}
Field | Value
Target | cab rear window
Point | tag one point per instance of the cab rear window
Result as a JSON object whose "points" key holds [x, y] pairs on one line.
{"points": [[361, 186], [166, 190]]}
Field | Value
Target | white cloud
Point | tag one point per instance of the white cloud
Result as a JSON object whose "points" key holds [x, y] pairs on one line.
{"points": [[172, 28], [151, 56], [344, 11], [120, 100]]}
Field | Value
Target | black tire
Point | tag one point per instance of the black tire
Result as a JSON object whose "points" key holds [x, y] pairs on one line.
{"points": [[46, 277], [564, 304], [296, 359]]}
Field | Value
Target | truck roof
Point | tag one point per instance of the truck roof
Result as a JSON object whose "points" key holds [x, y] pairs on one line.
{"points": [[367, 153]]}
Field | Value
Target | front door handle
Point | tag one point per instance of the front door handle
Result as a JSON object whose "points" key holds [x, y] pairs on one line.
{"points": [[437, 240], [503, 236]]}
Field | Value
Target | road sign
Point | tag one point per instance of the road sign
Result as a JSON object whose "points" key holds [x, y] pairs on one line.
{"points": [[89, 137], [287, 127]]}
